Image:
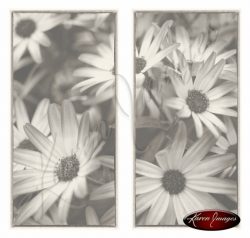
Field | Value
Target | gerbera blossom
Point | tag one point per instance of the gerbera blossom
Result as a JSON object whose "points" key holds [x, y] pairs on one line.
{"points": [[182, 181], [102, 73], [107, 219], [29, 33], [202, 96], [150, 53], [60, 166]]}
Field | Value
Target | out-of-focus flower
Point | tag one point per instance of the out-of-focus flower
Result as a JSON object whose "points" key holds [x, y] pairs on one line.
{"points": [[60, 167], [107, 219], [29, 33], [200, 97], [227, 144], [101, 75], [91, 21], [182, 181], [149, 54], [21, 117]]}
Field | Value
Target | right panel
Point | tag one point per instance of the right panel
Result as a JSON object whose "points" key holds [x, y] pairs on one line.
{"points": [[185, 115]]}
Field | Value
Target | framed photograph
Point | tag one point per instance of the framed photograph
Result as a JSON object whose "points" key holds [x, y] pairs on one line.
{"points": [[186, 114], [64, 118]]}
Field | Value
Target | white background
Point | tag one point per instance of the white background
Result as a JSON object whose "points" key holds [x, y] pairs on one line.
{"points": [[125, 227]]}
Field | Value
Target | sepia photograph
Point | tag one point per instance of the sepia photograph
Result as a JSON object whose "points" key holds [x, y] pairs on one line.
{"points": [[186, 114], [63, 119]]}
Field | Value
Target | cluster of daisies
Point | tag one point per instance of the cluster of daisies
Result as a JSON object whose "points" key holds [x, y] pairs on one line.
{"points": [[63, 119], [186, 115]]}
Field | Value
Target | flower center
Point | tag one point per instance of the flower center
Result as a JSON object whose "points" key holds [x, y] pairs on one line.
{"points": [[197, 101], [25, 28], [140, 64], [68, 168], [173, 181]]}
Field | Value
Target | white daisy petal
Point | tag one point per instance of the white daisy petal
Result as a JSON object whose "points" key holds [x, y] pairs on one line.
{"points": [[145, 185], [222, 111], [144, 201], [179, 209], [81, 187], [35, 51], [212, 166], [91, 216], [220, 91], [231, 132], [69, 127], [158, 209], [215, 120], [198, 125], [213, 185], [209, 125], [148, 169], [104, 192]]}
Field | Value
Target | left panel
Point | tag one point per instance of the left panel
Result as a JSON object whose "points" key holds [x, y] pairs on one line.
{"points": [[63, 118]]}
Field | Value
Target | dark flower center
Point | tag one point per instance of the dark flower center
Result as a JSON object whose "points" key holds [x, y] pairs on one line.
{"points": [[68, 168], [197, 101], [173, 181], [140, 64], [25, 28]]}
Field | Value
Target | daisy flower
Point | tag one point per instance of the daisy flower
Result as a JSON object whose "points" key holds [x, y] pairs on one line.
{"points": [[29, 33], [201, 97], [101, 74], [227, 144], [107, 219], [149, 53], [198, 50], [182, 181], [60, 166], [21, 117]]}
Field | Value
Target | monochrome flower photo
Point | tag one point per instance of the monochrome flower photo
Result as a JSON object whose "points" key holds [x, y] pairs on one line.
{"points": [[186, 114], [63, 158]]}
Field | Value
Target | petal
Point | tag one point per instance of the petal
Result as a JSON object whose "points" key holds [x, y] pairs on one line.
{"points": [[69, 127], [211, 166], [65, 202], [178, 146], [222, 111], [158, 209], [144, 201], [175, 103], [185, 112], [225, 101], [89, 167], [182, 37], [215, 120], [231, 132], [97, 61], [146, 41], [55, 123], [108, 218], [81, 187], [42, 143], [21, 114], [148, 169], [35, 51], [213, 185], [198, 125], [220, 90], [169, 218], [211, 77], [19, 50], [104, 192], [144, 184], [40, 117], [84, 130], [33, 159], [209, 125], [179, 209], [41, 38], [159, 56], [197, 151], [91, 217]]}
